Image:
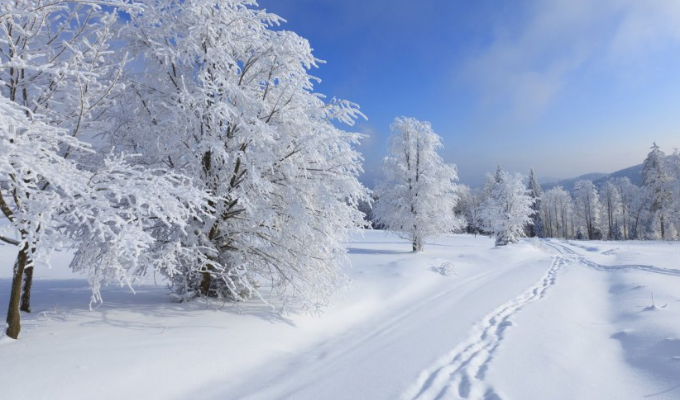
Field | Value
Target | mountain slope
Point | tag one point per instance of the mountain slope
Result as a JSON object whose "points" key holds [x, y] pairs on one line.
{"points": [[599, 179]]}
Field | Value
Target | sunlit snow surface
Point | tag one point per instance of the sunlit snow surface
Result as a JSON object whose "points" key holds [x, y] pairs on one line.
{"points": [[538, 320]]}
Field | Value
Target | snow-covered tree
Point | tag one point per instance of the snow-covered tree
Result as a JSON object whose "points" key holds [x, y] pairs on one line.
{"points": [[610, 198], [468, 208], [536, 228], [59, 78], [655, 181], [558, 209], [587, 206], [228, 100], [508, 209], [30, 150], [52, 203], [627, 192], [56, 61], [639, 212], [418, 196], [673, 169]]}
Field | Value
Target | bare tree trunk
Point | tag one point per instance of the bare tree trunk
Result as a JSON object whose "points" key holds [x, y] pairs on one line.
{"points": [[206, 280], [13, 312], [205, 283], [417, 244], [28, 284]]}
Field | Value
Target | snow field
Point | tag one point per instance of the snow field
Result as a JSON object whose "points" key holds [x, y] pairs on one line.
{"points": [[460, 374], [419, 310], [597, 335], [541, 319]]}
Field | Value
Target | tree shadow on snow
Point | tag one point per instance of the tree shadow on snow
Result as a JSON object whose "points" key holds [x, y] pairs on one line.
{"points": [[356, 250], [657, 357], [149, 307], [665, 391], [584, 247]]}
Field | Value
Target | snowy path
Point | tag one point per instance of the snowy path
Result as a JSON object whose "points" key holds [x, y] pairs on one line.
{"points": [[598, 335], [461, 373], [378, 360], [567, 251]]}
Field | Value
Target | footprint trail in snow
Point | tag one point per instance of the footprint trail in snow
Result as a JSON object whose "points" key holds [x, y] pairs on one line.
{"points": [[565, 251], [460, 374]]}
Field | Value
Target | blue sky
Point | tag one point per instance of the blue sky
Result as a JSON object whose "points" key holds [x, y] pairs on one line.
{"points": [[564, 86]]}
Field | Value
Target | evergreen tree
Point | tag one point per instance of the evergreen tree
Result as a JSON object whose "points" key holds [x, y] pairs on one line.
{"points": [[536, 228]]}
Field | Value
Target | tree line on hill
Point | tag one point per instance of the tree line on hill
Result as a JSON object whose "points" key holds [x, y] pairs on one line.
{"points": [[617, 210], [510, 206]]}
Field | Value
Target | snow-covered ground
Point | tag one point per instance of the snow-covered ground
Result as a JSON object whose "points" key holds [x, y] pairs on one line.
{"points": [[538, 320]]}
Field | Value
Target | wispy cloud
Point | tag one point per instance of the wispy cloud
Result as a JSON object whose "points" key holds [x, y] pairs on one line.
{"points": [[650, 25], [539, 50]]}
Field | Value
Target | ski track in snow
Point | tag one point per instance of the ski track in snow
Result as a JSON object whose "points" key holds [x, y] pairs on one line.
{"points": [[565, 251], [460, 374]]}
